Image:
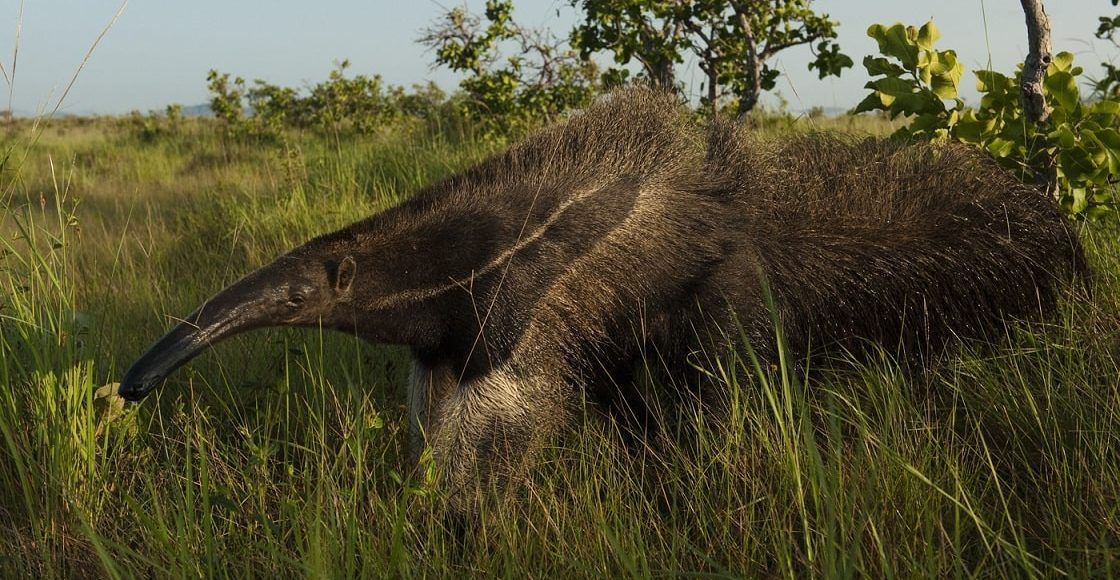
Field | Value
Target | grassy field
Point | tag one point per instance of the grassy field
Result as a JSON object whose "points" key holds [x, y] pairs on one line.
{"points": [[281, 453]]}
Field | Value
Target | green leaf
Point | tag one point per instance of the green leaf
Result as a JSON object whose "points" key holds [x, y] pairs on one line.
{"points": [[1063, 136], [970, 129], [927, 35], [871, 102], [1076, 163], [830, 61], [1096, 212], [902, 96], [111, 404], [1104, 113], [894, 41], [1098, 152], [1063, 90], [925, 60], [1062, 62], [1079, 200], [989, 81], [1000, 147], [945, 75], [1109, 140], [877, 65], [929, 125], [1106, 107]]}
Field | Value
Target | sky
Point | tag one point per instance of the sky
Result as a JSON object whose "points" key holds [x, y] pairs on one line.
{"points": [[159, 51]]}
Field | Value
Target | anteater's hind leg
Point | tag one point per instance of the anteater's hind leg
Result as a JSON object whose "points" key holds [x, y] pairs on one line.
{"points": [[614, 388], [486, 431]]}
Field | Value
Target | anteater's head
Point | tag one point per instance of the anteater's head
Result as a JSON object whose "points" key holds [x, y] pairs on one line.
{"points": [[296, 290]]}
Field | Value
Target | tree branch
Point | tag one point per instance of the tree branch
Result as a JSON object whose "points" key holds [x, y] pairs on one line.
{"points": [[772, 49], [754, 64]]}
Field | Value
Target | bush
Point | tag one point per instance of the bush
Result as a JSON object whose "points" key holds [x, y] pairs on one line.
{"points": [[1077, 149], [341, 105]]}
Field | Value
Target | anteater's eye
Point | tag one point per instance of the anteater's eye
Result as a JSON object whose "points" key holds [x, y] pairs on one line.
{"points": [[295, 301]]}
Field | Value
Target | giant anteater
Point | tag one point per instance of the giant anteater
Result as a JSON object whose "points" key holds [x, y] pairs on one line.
{"points": [[538, 277]]}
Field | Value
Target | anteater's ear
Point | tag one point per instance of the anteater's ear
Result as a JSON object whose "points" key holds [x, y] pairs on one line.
{"points": [[344, 274]]}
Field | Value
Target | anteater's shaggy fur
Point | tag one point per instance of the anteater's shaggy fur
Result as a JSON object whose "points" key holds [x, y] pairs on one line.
{"points": [[542, 274]]}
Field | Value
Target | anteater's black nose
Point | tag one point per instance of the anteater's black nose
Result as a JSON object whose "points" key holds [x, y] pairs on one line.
{"points": [[134, 388]]}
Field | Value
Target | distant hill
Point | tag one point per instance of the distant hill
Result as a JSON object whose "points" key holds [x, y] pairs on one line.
{"points": [[202, 110], [26, 114], [831, 111]]}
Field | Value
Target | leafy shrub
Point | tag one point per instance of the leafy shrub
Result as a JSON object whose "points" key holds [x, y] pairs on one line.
{"points": [[1076, 150], [339, 105], [357, 104], [155, 125], [226, 97]]}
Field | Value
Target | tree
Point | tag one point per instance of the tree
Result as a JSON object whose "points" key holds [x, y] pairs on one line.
{"points": [[543, 77], [650, 32], [733, 40]]}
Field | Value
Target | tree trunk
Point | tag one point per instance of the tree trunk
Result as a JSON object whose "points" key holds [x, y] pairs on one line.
{"points": [[713, 57], [1030, 87], [662, 74], [1039, 57], [660, 70], [748, 101], [713, 92]]}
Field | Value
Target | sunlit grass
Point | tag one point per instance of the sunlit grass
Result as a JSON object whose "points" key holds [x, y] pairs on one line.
{"points": [[281, 453]]}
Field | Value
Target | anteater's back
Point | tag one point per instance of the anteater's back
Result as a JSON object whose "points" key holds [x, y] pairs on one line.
{"points": [[904, 244]]}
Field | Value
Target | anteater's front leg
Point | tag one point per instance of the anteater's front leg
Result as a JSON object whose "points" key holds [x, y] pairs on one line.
{"points": [[486, 431], [428, 389]]}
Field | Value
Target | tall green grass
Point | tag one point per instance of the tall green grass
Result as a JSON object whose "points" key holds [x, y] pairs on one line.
{"points": [[281, 452]]}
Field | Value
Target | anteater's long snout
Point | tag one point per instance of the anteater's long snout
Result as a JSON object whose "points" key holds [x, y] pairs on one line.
{"points": [[172, 351], [233, 310]]}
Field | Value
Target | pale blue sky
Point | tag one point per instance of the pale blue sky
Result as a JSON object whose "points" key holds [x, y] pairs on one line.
{"points": [[160, 50]]}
